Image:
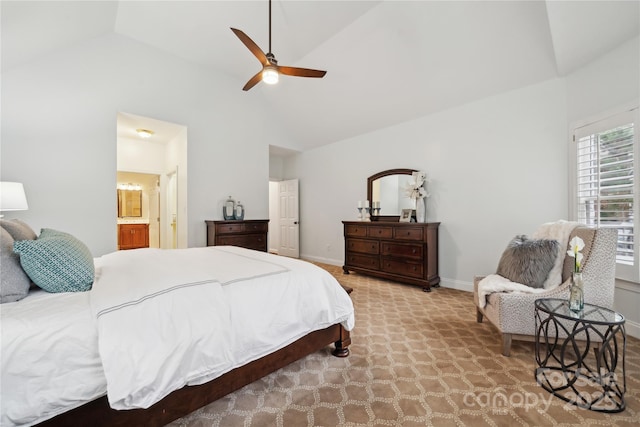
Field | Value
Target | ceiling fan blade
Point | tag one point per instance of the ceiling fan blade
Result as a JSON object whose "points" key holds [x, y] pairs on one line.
{"points": [[252, 46], [301, 72], [253, 81]]}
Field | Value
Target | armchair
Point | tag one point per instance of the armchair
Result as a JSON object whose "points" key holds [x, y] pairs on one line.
{"points": [[512, 313]]}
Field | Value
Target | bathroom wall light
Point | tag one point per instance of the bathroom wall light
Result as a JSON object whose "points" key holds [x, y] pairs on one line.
{"points": [[144, 133], [130, 187]]}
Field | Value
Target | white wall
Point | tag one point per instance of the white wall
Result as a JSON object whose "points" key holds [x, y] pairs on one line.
{"points": [[497, 169], [276, 165], [59, 135], [601, 87], [274, 217], [176, 160], [134, 155]]}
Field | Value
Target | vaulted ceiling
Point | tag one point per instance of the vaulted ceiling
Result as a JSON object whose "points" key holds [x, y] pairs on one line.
{"points": [[387, 61]]}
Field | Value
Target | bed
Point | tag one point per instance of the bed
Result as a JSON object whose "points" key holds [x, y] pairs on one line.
{"points": [[162, 333]]}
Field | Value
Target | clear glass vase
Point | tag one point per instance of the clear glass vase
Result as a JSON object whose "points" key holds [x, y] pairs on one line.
{"points": [[229, 209], [576, 295], [239, 214]]}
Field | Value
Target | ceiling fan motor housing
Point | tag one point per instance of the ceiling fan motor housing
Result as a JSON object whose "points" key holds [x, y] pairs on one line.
{"points": [[272, 59]]}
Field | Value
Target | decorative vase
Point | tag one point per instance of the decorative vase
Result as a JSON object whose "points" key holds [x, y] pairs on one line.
{"points": [[239, 213], [229, 209], [576, 295], [421, 209]]}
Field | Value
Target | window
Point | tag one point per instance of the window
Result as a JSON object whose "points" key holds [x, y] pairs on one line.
{"points": [[606, 191]]}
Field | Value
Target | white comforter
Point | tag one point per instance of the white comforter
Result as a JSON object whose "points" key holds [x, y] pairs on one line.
{"points": [[172, 318], [49, 359], [157, 329]]}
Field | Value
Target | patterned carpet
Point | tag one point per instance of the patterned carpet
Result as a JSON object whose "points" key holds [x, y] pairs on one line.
{"points": [[417, 359]]}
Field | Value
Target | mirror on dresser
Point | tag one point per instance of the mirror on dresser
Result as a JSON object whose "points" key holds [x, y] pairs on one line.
{"points": [[389, 189]]}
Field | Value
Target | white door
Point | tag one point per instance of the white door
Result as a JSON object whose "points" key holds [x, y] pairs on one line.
{"points": [[288, 218], [172, 210]]}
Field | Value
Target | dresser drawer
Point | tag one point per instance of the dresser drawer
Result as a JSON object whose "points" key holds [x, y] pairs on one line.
{"points": [[403, 268], [250, 234], [230, 228], [409, 233], [363, 261], [380, 232], [256, 227], [408, 250], [249, 241], [363, 246], [355, 230]]}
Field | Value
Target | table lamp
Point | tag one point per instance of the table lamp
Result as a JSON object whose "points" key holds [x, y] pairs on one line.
{"points": [[12, 197]]}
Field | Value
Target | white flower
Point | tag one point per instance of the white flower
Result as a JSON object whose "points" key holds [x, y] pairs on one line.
{"points": [[419, 177], [576, 244], [416, 189]]}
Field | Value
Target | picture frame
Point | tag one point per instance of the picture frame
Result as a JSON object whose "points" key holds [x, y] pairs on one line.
{"points": [[405, 215]]}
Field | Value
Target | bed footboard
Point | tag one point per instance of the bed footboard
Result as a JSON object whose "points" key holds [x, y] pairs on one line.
{"points": [[187, 399]]}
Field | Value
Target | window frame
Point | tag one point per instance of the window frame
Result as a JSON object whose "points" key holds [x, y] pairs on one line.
{"points": [[596, 124]]}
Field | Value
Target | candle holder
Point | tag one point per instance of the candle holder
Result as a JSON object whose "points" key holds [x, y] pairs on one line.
{"points": [[367, 216], [359, 213]]}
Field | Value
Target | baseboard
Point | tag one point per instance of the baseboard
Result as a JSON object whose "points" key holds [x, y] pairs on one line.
{"points": [[322, 260], [456, 284], [632, 329]]}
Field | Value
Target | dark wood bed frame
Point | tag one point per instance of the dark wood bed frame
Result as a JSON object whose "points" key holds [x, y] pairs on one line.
{"points": [[187, 399]]}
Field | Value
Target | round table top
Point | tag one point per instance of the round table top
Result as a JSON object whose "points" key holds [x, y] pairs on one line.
{"points": [[590, 313]]}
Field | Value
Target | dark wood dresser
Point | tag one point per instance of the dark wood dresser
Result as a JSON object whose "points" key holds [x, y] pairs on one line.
{"points": [[401, 251], [250, 234]]}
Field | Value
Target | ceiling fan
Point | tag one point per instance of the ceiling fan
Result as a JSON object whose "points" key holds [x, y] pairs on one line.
{"points": [[270, 68]]}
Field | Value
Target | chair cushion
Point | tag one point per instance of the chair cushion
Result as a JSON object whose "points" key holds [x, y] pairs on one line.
{"points": [[528, 261]]}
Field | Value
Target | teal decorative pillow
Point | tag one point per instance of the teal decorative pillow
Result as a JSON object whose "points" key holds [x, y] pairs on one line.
{"points": [[57, 262]]}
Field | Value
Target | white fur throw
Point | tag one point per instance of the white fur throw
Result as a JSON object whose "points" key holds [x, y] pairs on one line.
{"points": [[496, 283], [560, 231]]}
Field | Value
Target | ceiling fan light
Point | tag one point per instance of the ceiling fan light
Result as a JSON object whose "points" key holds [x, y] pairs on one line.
{"points": [[270, 75], [144, 133]]}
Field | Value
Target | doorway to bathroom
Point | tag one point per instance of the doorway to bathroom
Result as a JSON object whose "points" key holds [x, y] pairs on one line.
{"points": [[138, 210], [152, 157]]}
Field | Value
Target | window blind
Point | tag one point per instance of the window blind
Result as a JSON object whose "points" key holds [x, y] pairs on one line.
{"points": [[605, 187]]}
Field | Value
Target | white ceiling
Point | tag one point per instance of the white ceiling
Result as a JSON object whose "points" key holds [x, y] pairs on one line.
{"points": [[387, 61]]}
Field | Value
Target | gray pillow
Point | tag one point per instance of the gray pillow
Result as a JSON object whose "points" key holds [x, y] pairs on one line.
{"points": [[528, 261], [14, 282], [18, 230]]}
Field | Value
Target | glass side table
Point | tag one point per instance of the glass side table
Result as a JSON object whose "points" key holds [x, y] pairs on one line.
{"points": [[580, 356]]}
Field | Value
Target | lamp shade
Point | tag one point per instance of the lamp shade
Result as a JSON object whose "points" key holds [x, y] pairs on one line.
{"points": [[12, 197]]}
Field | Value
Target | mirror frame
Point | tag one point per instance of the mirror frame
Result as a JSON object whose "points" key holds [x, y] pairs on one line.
{"points": [[388, 218]]}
